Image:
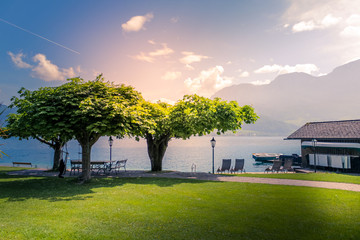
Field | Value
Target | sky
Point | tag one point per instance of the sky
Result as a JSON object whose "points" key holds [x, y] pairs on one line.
{"points": [[166, 49]]}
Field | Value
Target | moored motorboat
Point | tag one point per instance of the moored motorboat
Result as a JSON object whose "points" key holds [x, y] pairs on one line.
{"points": [[264, 157]]}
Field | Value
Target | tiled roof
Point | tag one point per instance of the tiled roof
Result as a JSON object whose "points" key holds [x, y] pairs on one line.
{"points": [[349, 129]]}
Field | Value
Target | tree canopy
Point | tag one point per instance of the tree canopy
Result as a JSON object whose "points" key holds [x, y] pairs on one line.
{"points": [[84, 110], [37, 117], [193, 115], [94, 109]]}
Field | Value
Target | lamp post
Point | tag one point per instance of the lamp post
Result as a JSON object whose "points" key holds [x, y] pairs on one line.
{"points": [[314, 144], [213, 143], [110, 144]]}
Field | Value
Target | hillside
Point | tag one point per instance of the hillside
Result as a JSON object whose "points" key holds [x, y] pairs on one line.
{"points": [[296, 98]]}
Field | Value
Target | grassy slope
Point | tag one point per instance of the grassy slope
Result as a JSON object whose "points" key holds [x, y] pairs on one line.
{"points": [[151, 208]]}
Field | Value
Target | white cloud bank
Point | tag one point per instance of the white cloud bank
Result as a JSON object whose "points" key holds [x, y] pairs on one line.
{"points": [[43, 68], [328, 21], [275, 68], [137, 23], [208, 82]]}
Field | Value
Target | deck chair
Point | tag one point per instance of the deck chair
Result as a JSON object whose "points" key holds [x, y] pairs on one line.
{"points": [[275, 167], [226, 163], [287, 165], [239, 166]]}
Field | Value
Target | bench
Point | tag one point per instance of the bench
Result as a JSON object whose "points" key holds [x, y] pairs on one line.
{"points": [[21, 163], [76, 165], [118, 164]]}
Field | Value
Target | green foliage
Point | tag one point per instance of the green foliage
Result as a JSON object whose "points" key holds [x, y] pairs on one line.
{"points": [[2, 134], [194, 115], [96, 108], [159, 208]]}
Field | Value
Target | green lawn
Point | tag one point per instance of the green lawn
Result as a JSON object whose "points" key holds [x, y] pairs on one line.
{"points": [[158, 208], [326, 177]]}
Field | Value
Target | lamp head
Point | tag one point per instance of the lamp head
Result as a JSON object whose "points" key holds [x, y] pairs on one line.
{"points": [[213, 142], [110, 141]]}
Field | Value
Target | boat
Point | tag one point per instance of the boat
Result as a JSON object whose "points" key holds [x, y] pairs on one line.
{"points": [[265, 157]]}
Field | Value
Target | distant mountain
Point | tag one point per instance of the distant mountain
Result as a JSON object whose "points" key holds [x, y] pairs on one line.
{"points": [[296, 98]]}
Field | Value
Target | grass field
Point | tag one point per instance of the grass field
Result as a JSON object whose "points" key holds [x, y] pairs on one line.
{"points": [[326, 177], [157, 208]]}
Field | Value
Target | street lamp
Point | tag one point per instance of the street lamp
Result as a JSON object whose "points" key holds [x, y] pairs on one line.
{"points": [[314, 144], [110, 144], [213, 143]]}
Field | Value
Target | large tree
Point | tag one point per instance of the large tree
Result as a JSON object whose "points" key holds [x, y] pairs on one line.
{"points": [[37, 117], [93, 109], [193, 115]]}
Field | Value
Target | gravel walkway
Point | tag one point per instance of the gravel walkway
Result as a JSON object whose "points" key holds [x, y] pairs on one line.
{"points": [[208, 177]]}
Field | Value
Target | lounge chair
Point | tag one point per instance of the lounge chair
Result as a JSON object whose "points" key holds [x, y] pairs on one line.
{"points": [[239, 166], [275, 167], [226, 163], [287, 165]]}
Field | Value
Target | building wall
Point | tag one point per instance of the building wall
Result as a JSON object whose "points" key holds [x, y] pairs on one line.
{"points": [[305, 151]]}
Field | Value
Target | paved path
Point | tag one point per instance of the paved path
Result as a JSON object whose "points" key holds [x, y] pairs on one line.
{"points": [[210, 177]]}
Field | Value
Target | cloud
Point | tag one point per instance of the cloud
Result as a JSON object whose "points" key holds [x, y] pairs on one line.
{"points": [[171, 76], [151, 56], [328, 21], [306, 68], [208, 82], [190, 57], [137, 23], [17, 59], [48, 71], [354, 19], [162, 52], [245, 74], [307, 15], [353, 27], [144, 57], [44, 69], [351, 31]]}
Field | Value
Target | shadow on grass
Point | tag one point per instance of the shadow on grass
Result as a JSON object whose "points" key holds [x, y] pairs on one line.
{"points": [[20, 188]]}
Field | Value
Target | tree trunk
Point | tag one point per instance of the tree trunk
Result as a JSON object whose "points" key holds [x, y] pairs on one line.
{"points": [[56, 144], [86, 141], [57, 155], [86, 159], [156, 150]]}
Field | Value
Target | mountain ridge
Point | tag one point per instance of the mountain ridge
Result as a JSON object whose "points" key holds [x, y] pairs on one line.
{"points": [[297, 98]]}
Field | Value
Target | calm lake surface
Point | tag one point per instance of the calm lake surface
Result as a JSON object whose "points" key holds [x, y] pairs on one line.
{"points": [[180, 155]]}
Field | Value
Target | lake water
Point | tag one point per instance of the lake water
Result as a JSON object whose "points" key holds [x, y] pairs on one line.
{"points": [[180, 155]]}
